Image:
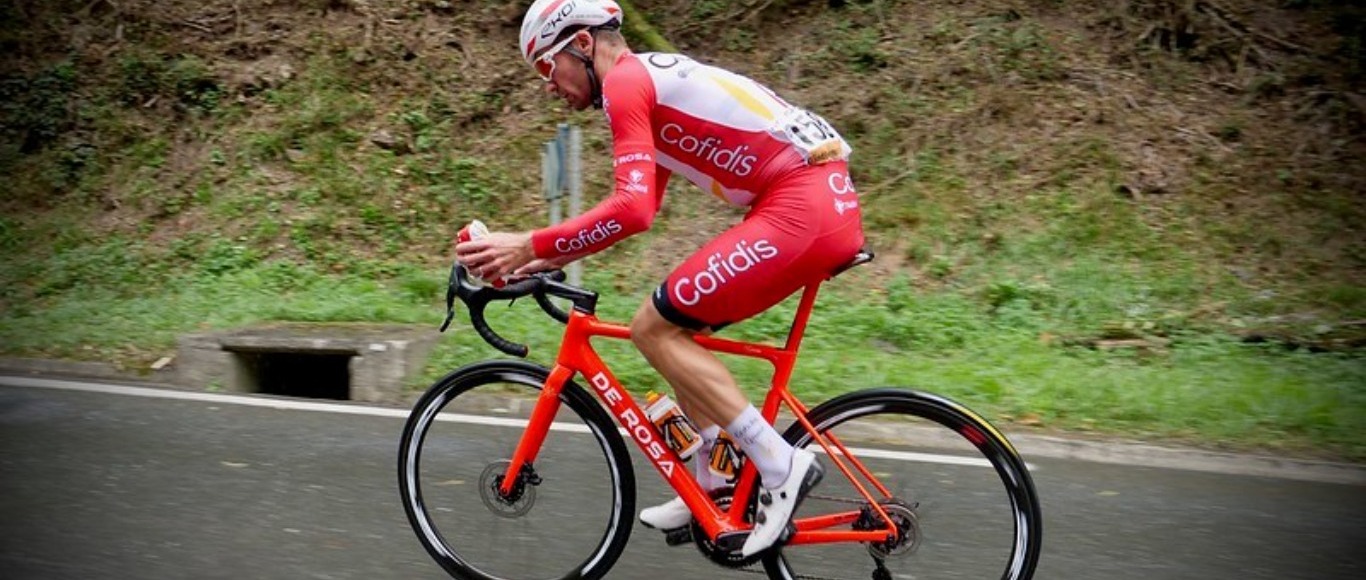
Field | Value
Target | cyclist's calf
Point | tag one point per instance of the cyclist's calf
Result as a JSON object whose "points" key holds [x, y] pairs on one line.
{"points": [[704, 386]]}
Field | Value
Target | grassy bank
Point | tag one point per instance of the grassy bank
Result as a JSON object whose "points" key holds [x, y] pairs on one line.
{"points": [[1000, 353]]}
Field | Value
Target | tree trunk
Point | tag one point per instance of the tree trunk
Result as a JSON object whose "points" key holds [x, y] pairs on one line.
{"points": [[639, 31]]}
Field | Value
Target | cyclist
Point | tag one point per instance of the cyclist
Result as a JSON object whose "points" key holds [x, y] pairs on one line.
{"points": [[737, 140]]}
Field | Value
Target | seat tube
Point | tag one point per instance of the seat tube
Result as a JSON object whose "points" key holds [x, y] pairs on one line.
{"points": [[808, 301], [542, 415]]}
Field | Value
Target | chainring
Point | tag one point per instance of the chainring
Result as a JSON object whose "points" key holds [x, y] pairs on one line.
{"points": [[718, 555]]}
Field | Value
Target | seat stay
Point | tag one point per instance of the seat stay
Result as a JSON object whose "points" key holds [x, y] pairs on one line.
{"points": [[838, 454], [801, 410]]}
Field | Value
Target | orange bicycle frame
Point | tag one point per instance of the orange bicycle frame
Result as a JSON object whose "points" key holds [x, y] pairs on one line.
{"points": [[577, 356]]}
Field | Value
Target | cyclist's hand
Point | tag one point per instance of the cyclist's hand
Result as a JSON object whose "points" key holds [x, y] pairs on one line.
{"points": [[495, 255], [534, 266]]}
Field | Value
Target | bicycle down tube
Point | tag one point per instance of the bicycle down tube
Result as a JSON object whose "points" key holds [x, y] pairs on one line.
{"points": [[577, 356]]}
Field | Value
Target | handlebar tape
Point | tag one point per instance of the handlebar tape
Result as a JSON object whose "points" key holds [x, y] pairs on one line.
{"points": [[491, 337]]}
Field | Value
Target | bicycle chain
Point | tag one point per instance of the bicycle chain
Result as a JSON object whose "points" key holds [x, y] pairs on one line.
{"points": [[760, 571], [836, 499]]}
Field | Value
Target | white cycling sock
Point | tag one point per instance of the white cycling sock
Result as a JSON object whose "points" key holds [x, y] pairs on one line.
{"points": [[762, 444], [705, 477]]}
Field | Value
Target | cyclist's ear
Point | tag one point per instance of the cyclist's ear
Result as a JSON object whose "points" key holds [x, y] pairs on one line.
{"points": [[583, 41]]}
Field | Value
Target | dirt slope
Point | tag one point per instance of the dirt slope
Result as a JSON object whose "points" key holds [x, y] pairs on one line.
{"points": [[1237, 125]]}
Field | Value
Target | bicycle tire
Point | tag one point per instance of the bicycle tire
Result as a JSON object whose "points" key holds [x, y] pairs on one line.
{"points": [[446, 548], [974, 434]]}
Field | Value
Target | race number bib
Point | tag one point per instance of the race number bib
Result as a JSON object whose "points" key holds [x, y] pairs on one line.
{"points": [[814, 138]]}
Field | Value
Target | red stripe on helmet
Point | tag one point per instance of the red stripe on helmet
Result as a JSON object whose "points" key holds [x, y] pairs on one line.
{"points": [[551, 8]]}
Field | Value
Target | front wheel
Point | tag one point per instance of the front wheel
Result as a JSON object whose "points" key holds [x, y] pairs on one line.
{"points": [[571, 513], [961, 497]]}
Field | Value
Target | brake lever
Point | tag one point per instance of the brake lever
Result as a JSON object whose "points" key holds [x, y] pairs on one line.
{"points": [[451, 285]]}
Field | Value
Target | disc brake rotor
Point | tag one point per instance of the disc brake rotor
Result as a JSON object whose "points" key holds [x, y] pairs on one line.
{"points": [[907, 531], [515, 505]]}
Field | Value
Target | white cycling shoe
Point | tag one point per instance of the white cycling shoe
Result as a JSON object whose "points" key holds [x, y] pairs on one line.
{"points": [[670, 515], [774, 513]]}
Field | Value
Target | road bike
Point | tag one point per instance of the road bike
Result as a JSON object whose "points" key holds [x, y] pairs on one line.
{"points": [[509, 469]]}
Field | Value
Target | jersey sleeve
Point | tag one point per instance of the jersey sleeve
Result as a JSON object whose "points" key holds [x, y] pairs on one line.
{"points": [[628, 99]]}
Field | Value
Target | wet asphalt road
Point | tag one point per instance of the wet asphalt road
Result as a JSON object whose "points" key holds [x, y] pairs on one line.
{"points": [[97, 485]]}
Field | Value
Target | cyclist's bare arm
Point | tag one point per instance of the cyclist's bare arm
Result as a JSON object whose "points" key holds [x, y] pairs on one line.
{"points": [[545, 264]]}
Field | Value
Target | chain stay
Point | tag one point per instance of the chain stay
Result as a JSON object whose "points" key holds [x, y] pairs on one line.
{"points": [[851, 501]]}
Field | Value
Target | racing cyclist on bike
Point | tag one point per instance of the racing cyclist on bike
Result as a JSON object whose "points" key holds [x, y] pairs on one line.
{"points": [[735, 139]]}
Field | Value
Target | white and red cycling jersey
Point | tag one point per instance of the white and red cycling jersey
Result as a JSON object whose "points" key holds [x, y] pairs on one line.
{"points": [[725, 133], [731, 137]]}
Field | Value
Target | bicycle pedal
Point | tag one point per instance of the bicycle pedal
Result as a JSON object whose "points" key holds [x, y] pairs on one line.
{"points": [[732, 541], [678, 536]]}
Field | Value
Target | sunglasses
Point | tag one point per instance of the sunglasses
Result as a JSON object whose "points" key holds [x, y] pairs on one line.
{"points": [[545, 64]]}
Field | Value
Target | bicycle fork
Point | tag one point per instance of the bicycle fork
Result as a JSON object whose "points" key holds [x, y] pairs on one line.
{"points": [[520, 470]]}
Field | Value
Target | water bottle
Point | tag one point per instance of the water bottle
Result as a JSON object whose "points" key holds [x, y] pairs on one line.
{"points": [[476, 230], [726, 459], [679, 431]]}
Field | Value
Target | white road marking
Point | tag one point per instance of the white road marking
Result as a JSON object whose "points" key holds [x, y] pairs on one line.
{"points": [[359, 409]]}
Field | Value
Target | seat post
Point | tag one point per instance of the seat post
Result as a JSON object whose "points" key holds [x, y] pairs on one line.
{"points": [[794, 336]]}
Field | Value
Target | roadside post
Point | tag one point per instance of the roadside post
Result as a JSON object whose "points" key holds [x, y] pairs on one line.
{"points": [[562, 177]]}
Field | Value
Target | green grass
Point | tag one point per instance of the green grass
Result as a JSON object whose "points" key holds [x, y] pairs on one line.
{"points": [[987, 348]]}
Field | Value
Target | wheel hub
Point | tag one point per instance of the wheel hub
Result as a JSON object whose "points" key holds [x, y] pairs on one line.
{"points": [[515, 504], [907, 530]]}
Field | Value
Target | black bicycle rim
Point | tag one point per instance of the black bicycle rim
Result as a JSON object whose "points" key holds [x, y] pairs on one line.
{"points": [[599, 426]]}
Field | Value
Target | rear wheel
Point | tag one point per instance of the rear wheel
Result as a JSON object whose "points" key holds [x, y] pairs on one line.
{"points": [[961, 498], [570, 514]]}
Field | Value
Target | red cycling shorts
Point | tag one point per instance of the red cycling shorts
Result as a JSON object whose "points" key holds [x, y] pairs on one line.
{"points": [[798, 232]]}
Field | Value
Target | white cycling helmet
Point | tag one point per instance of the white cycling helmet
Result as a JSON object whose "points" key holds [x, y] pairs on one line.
{"points": [[546, 20]]}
